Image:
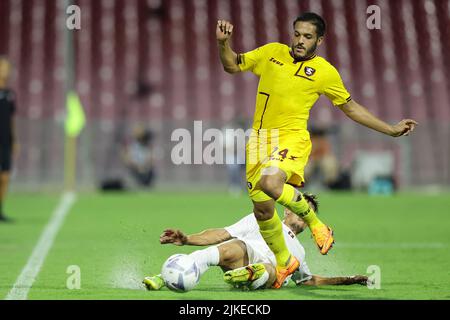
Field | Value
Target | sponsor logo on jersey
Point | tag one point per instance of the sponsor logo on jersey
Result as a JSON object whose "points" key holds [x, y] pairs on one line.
{"points": [[276, 61]]}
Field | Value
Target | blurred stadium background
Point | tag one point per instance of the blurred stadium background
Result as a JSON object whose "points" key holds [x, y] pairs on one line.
{"points": [[155, 62]]}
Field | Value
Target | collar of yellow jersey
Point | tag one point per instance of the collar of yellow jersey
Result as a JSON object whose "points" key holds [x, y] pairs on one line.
{"points": [[301, 60]]}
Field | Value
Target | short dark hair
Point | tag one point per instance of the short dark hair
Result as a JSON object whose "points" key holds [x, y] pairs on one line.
{"points": [[312, 198], [314, 19]]}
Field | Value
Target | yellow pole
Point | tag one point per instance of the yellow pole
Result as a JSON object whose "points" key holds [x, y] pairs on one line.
{"points": [[70, 163]]}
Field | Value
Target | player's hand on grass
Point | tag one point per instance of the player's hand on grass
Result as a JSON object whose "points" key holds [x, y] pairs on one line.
{"points": [[362, 280], [224, 30], [403, 128], [176, 237]]}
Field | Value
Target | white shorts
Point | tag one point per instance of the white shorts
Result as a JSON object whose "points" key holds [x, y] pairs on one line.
{"points": [[258, 253]]}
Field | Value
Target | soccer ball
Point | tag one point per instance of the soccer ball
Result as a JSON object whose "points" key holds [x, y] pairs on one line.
{"points": [[180, 273]]}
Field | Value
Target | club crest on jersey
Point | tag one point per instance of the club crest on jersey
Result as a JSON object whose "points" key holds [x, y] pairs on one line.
{"points": [[309, 71]]}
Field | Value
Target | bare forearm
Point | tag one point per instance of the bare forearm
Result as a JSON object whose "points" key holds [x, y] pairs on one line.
{"points": [[361, 115], [208, 237], [228, 57], [336, 281]]}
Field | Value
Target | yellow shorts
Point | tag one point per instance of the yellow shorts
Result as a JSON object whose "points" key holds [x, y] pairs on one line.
{"points": [[286, 149]]}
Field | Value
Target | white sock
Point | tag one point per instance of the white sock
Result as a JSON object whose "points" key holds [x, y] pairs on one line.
{"points": [[260, 282], [206, 258]]}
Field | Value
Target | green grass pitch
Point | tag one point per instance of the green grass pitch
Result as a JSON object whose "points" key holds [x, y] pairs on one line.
{"points": [[113, 239]]}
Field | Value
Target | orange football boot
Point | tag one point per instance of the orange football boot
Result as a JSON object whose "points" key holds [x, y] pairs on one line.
{"points": [[284, 272], [323, 236]]}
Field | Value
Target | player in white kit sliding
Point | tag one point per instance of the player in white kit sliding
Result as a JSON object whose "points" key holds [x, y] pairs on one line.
{"points": [[243, 254]]}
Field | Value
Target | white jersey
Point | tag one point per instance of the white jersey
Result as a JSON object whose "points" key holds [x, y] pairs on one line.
{"points": [[247, 230]]}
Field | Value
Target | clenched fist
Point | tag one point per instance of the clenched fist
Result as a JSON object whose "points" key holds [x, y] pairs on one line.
{"points": [[224, 30]]}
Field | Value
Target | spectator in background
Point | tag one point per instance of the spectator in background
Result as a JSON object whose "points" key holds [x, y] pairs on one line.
{"points": [[236, 167], [8, 144], [138, 156], [323, 164]]}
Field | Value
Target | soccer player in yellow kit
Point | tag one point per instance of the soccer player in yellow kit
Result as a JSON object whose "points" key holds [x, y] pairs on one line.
{"points": [[291, 80]]}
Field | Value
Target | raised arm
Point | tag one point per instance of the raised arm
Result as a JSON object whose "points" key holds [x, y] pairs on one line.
{"points": [[335, 281], [228, 57], [359, 114], [204, 238]]}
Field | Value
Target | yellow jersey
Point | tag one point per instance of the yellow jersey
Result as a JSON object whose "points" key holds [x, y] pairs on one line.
{"points": [[287, 89]]}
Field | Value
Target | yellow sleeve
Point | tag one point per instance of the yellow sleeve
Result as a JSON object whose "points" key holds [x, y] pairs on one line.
{"points": [[334, 88], [251, 61]]}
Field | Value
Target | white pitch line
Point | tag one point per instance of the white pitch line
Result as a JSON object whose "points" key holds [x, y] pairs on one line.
{"points": [[25, 280]]}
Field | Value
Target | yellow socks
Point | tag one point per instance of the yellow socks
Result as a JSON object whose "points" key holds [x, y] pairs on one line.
{"points": [[272, 232], [299, 207]]}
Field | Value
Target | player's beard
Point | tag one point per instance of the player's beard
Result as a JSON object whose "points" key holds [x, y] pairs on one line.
{"points": [[310, 52]]}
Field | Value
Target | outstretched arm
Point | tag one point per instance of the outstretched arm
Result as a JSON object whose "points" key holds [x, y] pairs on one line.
{"points": [[228, 57], [334, 281], [204, 238], [359, 114]]}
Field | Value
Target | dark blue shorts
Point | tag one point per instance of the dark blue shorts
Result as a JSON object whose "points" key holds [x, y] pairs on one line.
{"points": [[5, 158]]}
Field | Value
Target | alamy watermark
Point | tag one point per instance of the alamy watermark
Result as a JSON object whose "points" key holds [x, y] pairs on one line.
{"points": [[374, 280], [225, 146], [73, 21], [73, 282], [374, 19]]}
